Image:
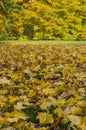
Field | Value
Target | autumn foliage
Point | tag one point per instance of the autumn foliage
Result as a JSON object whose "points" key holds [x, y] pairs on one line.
{"points": [[43, 19], [42, 87]]}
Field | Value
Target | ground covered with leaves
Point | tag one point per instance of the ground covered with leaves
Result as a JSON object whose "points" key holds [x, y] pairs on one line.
{"points": [[42, 87]]}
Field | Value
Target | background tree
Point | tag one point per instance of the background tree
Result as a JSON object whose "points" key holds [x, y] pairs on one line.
{"points": [[43, 19]]}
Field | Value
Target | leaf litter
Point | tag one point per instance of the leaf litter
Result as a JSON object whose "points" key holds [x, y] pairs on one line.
{"points": [[42, 87]]}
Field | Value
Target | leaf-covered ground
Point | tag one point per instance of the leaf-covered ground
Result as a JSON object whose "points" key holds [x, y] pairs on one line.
{"points": [[42, 87]]}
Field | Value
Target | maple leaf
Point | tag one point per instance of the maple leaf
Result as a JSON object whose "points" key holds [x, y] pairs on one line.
{"points": [[45, 118], [4, 91], [4, 80], [18, 106], [58, 112], [81, 104], [32, 93], [16, 114], [19, 124], [52, 100], [49, 91], [45, 105], [61, 102], [12, 99], [2, 104], [83, 126], [75, 120], [12, 120]]}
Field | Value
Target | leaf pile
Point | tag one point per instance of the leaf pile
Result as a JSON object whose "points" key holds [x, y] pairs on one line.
{"points": [[42, 87]]}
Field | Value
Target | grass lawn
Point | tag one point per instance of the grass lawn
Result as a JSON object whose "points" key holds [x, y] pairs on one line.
{"points": [[44, 42]]}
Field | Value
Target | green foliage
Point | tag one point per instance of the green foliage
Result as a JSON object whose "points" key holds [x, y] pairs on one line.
{"points": [[43, 20]]}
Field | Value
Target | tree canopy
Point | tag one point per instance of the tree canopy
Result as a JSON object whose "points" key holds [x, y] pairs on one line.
{"points": [[43, 20]]}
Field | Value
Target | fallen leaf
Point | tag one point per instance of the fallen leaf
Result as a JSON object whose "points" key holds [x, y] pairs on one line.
{"points": [[4, 80], [32, 93], [45, 105], [12, 120], [75, 120], [45, 118]]}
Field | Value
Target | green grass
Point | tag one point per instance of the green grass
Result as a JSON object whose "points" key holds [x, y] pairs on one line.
{"points": [[44, 42]]}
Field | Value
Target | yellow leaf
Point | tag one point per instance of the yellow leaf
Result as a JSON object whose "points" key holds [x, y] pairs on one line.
{"points": [[12, 120], [61, 102], [16, 114], [45, 118], [3, 92], [72, 101], [76, 110], [52, 100], [12, 99], [49, 91], [17, 1], [44, 84], [67, 111], [3, 121], [4, 81], [75, 120], [83, 126], [58, 112], [81, 104], [19, 124], [32, 93], [27, 71], [18, 106], [1, 103], [45, 105]]}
